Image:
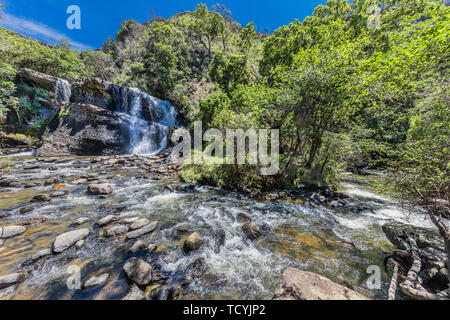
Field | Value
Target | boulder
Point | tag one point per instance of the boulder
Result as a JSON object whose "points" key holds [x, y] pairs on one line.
{"points": [[139, 271], [193, 242], [140, 232], [302, 285], [100, 189], [10, 280], [66, 240], [11, 231]]}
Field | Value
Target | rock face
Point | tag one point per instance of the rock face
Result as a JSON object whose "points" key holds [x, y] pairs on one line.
{"points": [[86, 130], [11, 231], [100, 189], [66, 240], [303, 285], [139, 271]]}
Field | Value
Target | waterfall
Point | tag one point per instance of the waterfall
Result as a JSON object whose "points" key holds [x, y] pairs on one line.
{"points": [[148, 119], [62, 91]]}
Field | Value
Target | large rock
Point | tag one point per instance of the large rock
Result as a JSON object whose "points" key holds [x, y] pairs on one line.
{"points": [[84, 129], [426, 238], [11, 231], [302, 285], [140, 232], [10, 280], [100, 189], [139, 271], [66, 240]]}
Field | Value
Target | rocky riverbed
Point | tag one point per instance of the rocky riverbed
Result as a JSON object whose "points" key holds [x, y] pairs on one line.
{"points": [[126, 227]]}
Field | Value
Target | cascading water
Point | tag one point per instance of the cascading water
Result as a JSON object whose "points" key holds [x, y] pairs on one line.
{"points": [[62, 91], [148, 119]]}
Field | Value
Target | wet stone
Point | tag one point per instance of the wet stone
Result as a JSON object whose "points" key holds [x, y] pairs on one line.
{"points": [[66, 240], [95, 281], [106, 220], [11, 231], [10, 280], [142, 231], [251, 231], [115, 230], [139, 224], [135, 294], [24, 210], [139, 271], [81, 221], [193, 242], [41, 198]]}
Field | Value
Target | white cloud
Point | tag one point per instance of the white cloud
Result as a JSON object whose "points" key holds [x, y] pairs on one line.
{"points": [[37, 30]]}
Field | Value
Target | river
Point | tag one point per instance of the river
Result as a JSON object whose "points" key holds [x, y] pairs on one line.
{"points": [[296, 232]]}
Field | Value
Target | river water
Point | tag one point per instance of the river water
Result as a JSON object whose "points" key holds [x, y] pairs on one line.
{"points": [[295, 233]]}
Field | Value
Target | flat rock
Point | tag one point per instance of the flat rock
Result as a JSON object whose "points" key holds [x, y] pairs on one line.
{"points": [[140, 223], [11, 231], [66, 240], [106, 220], [42, 253], [302, 285], [139, 271], [81, 221], [96, 280], [10, 280], [140, 232]]}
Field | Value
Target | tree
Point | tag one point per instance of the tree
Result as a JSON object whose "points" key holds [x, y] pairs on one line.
{"points": [[207, 25], [247, 37]]}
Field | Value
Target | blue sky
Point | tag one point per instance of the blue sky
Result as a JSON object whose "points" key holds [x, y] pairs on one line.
{"points": [[46, 19]]}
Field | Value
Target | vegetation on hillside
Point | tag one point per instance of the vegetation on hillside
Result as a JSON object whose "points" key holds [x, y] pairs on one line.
{"points": [[355, 85]]}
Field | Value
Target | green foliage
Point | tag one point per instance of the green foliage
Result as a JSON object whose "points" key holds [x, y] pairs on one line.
{"points": [[8, 89], [22, 52]]}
